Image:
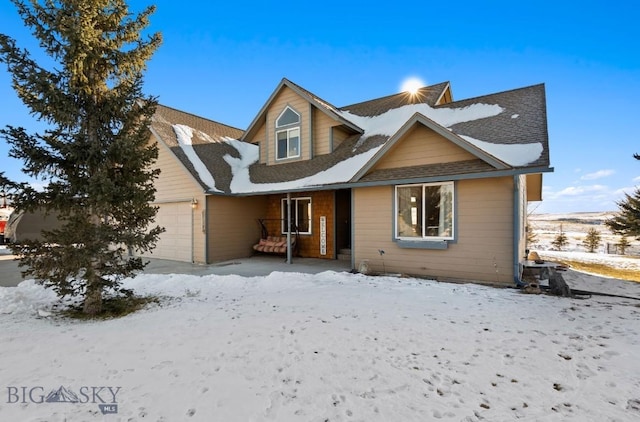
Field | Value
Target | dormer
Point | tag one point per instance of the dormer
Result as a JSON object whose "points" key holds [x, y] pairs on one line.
{"points": [[295, 125]]}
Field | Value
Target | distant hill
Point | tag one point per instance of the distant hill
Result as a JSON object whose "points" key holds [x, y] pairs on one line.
{"points": [[575, 225]]}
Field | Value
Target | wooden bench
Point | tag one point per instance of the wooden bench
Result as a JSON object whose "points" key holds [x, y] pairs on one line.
{"points": [[274, 244]]}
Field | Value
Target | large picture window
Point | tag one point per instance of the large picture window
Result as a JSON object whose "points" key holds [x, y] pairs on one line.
{"points": [[425, 211], [300, 215], [288, 134]]}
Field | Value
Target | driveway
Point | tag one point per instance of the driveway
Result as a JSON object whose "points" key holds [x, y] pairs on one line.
{"points": [[258, 265], [9, 271]]}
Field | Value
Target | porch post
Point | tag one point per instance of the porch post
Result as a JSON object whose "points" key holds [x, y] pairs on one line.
{"points": [[288, 228]]}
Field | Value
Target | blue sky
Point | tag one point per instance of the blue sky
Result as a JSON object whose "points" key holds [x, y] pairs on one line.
{"points": [[222, 61]]}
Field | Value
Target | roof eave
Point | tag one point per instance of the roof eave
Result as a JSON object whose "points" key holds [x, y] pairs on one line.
{"points": [[428, 179]]}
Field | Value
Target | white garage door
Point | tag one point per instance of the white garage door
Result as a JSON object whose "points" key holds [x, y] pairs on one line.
{"points": [[176, 242]]}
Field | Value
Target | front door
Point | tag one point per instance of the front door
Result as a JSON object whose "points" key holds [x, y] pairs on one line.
{"points": [[343, 220]]}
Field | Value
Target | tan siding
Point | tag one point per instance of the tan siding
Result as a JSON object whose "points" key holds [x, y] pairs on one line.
{"points": [[482, 252], [422, 146], [339, 135], [534, 187], [232, 226], [259, 138], [321, 132], [288, 97], [176, 185]]}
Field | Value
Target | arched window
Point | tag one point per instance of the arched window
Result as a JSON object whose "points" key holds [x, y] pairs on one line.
{"points": [[288, 134]]}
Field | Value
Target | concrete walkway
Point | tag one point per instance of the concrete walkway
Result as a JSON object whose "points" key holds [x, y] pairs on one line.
{"points": [[261, 265], [258, 265]]}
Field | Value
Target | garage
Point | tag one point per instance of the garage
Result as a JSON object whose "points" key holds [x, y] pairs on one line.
{"points": [[176, 242]]}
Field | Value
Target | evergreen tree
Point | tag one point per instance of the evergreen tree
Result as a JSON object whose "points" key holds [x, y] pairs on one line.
{"points": [[592, 240], [95, 154], [560, 240], [623, 244], [627, 221]]}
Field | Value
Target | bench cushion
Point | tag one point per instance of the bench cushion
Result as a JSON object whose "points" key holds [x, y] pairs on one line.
{"points": [[273, 244]]}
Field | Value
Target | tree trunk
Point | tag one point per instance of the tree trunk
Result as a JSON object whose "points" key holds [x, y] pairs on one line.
{"points": [[93, 297]]}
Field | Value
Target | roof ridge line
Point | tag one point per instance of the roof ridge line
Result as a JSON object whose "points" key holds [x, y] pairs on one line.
{"points": [[490, 95], [200, 117], [342, 108]]}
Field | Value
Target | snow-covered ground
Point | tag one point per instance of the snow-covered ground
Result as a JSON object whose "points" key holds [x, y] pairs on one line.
{"points": [[325, 347], [616, 261], [332, 347]]}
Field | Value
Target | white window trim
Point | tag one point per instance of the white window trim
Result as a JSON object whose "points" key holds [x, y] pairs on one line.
{"points": [[288, 141], [424, 237], [294, 207], [289, 124], [288, 128]]}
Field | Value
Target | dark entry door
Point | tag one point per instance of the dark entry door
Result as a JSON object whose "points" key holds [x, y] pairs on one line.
{"points": [[343, 219]]}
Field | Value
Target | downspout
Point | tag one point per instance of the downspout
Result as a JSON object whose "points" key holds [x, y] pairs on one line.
{"points": [[192, 205], [335, 225], [205, 229], [352, 231], [288, 227], [516, 231]]}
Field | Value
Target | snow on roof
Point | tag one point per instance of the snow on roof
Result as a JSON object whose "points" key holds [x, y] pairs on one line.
{"points": [[513, 154], [185, 134], [386, 124], [390, 122], [241, 182]]}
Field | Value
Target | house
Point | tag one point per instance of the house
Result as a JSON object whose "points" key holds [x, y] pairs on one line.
{"points": [[441, 186]]}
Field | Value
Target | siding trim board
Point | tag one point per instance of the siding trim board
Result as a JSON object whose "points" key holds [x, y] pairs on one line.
{"points": [[311, 131], [422, 244], [331, 139], [516, 231]]}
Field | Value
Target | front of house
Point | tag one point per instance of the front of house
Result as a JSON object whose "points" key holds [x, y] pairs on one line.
{"points": [[414, 184]]}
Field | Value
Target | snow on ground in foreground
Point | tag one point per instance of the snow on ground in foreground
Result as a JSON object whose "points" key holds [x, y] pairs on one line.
{"points": [[332, 346]]}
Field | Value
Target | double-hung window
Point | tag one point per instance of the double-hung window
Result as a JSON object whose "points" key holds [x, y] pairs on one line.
{"points": [[288, 134], [300, 215], [425, 211]]}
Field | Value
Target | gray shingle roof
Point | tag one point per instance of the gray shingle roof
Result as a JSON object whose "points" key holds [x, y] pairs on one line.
{"points": [[210, 153], [522, 121], [428, 171], [427, 95]]}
